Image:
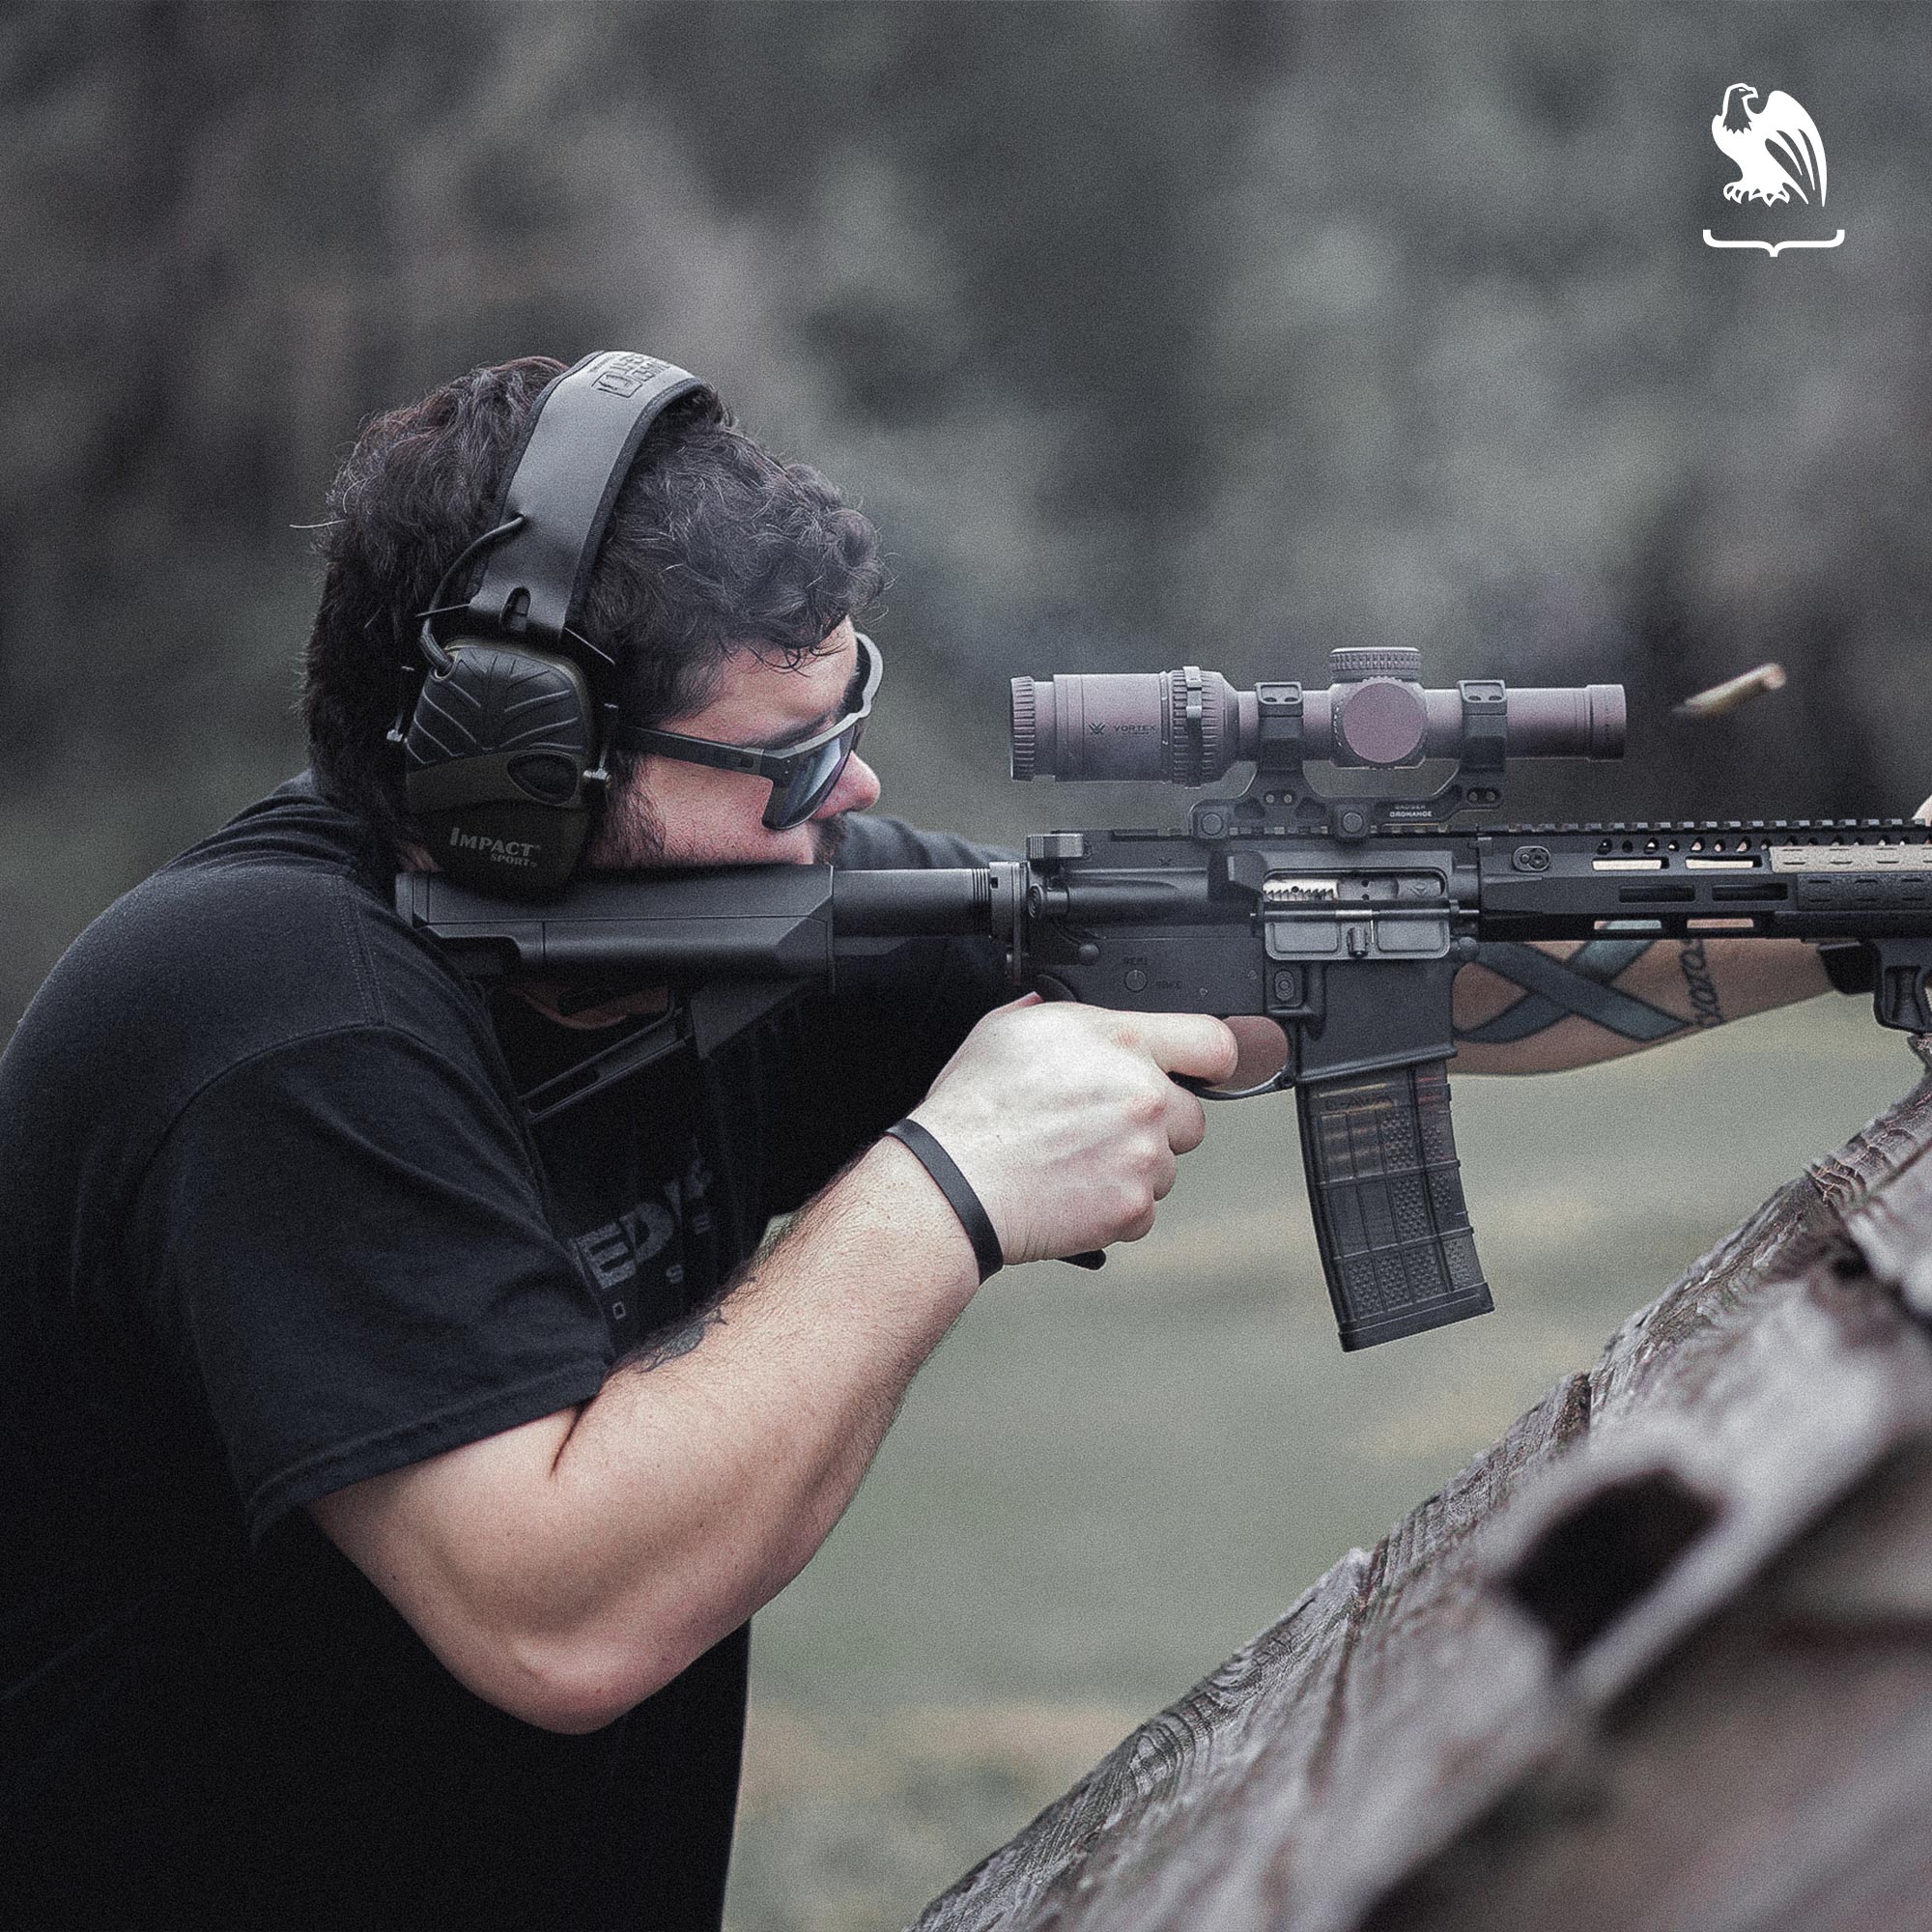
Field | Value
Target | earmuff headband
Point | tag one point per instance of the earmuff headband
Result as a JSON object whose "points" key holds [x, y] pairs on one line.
{"points": [[585, 436]]}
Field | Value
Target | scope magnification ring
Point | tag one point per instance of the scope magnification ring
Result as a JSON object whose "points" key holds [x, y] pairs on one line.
{"points": [[1194, 746]]}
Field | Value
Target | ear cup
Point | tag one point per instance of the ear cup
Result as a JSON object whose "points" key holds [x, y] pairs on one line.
{"points": [[506, 728], [495, 760]]}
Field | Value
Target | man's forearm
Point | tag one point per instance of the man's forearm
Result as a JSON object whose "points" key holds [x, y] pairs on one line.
{"points": [[1532, 1010], [566, 1569], [757, 1437]]}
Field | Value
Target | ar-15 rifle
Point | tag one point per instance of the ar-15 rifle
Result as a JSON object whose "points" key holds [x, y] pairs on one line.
{"points": [[1330, 896]]}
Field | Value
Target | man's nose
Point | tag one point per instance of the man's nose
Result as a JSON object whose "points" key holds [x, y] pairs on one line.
{"points": [[857, 789]]}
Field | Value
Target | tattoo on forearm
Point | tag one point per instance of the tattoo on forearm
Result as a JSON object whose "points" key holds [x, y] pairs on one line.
{"points": [[679, 1340], [1557, 989], [1705, 1007]]}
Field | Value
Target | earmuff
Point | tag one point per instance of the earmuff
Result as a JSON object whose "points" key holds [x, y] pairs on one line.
{"points": [[509, 722]]}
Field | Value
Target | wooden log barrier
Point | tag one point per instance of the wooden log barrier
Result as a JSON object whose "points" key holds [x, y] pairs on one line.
{"points": [[1661, 1658]]}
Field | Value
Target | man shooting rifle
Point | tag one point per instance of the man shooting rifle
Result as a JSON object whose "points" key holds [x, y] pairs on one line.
{"points": [[392, 1474]]}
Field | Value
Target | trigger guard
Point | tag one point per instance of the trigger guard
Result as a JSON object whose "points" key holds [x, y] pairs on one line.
{"points": [[1280, 1081], [1277, 1082]]}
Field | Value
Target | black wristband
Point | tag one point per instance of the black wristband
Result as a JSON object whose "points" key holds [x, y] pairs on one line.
{"points": [[958, 1192]]}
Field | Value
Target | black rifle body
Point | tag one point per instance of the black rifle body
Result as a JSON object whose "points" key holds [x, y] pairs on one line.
{"points": [[1351, 944]]}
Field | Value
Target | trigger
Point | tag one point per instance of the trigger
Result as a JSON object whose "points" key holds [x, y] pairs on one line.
{"points": [[1050, 988]]}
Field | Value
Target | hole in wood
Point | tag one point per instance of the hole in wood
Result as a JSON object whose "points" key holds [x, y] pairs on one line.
{"points": [[1590, 1566]]}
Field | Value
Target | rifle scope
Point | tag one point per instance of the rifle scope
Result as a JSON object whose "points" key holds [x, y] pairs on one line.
{"points": [[1188, 727]]}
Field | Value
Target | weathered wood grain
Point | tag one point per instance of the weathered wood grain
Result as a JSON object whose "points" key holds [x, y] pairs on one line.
{"points": [[1687, 1597]]}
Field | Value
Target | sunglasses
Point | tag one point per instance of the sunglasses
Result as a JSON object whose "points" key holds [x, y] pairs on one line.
{"points": [[802, 775]]}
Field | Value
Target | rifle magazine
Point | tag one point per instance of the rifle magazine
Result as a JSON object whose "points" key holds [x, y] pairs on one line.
{"points": [[1385, 1189]]}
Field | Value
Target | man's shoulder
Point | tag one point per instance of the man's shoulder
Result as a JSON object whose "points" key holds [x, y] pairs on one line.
{"points": [[271, 932]]}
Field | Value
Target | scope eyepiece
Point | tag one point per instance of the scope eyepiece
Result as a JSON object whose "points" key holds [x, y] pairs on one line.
{"points": [[1182, 726]]}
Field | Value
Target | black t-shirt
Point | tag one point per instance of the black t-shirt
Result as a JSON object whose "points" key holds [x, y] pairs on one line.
{"points": [[275, 1221]]}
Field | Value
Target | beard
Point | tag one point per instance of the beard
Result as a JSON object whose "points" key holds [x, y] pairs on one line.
{"points": [[633, 838], [827, 837]]}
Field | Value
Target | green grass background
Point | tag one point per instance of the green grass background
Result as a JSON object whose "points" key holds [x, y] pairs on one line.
{"points": [[1103, 1484]]}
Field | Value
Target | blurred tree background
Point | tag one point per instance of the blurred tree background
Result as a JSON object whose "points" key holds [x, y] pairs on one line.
{"points": [[1222, 331]]}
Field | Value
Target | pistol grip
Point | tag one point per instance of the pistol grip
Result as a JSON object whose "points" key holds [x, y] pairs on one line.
{"points": [[1387, 1193], [1899, 987]]}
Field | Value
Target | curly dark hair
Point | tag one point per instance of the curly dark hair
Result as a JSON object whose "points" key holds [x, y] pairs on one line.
{"points": [[714, 546]]}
